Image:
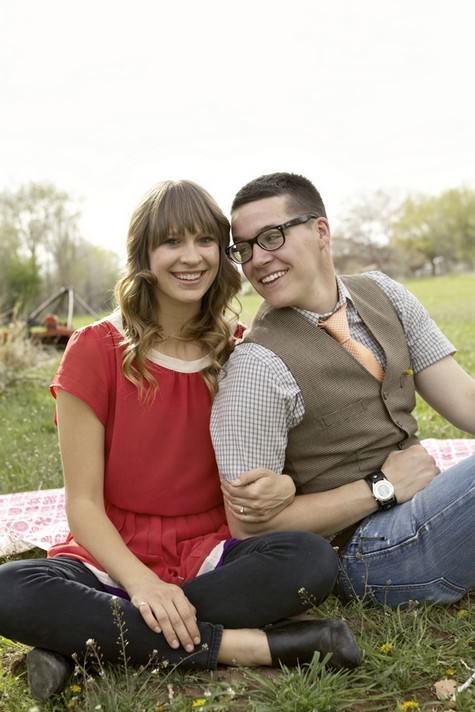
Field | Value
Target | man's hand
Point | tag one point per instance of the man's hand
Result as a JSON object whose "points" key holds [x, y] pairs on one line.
{"points": [[258, 495], [165, 609], [409, 471]]}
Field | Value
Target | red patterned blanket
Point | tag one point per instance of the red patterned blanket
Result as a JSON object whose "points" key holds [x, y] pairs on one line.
{"points": [[29, 519]]}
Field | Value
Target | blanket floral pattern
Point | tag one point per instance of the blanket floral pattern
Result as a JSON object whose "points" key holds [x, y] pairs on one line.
{"points": [[29, 519]]}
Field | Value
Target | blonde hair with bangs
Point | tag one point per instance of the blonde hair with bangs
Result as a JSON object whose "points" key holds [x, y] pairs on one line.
{"points": [[174, 206]]}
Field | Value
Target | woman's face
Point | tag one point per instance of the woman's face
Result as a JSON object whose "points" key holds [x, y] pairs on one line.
{"points": [[186, 266]]}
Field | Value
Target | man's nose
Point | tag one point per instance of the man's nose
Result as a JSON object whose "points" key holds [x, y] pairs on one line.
{"points": [[260, 256]]}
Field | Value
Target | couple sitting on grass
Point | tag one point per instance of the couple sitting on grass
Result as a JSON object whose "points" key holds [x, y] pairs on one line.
{"points": [[321, 389]]}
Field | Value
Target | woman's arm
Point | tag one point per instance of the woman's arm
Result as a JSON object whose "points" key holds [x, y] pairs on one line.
{"points": [[163, 606]]}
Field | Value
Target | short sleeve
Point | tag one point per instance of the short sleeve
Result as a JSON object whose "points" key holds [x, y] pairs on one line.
{"points": [[427, 344], [86, 369], [253, 411]]}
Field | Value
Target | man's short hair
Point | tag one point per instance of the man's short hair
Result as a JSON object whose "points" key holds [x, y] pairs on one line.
{"points": [[302, 194]]}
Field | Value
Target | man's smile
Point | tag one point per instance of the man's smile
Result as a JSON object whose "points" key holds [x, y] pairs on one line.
{"points": [[273, 276]]}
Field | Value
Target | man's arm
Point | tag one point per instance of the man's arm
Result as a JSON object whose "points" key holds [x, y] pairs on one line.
{"points": [[447, 388], [328, 512], [324, 513], [255, 407], [258, 402]]}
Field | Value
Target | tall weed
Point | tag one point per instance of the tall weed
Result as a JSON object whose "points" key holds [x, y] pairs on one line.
{"points": [[18, 353]]}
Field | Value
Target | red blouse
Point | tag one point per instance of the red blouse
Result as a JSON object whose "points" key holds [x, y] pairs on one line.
{"points": [[161, 482]]}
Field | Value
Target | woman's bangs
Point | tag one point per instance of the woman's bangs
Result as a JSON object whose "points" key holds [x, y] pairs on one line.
{"points": [[183, 209]]}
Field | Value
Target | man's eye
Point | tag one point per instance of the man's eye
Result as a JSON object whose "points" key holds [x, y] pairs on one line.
{"points": [[271, 238], [241, 250]]}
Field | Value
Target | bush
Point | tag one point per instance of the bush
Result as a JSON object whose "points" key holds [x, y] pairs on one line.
{"points": [[17, 353]]}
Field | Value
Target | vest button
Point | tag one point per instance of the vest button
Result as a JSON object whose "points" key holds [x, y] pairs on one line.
{"points": [[385, 395], [400, 446]]}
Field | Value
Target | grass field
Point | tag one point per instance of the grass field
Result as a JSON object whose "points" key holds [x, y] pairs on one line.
{"points": [[451, 302], [406, 652]]}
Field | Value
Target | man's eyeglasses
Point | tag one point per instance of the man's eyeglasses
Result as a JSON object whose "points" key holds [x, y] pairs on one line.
{"points": [[269, 239]]}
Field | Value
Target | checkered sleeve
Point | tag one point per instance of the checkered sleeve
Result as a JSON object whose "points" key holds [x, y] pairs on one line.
{"points": [[258, 402], [427, 344]]}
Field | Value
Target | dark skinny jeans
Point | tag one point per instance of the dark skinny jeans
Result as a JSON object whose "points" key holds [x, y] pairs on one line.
{"points": [[58, 604]]}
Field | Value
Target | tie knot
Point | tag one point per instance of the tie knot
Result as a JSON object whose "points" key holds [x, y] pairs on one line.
{"points": [[337, 325]]}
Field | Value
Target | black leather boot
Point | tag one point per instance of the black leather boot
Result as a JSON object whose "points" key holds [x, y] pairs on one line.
{"points": [[293, 642], [47, 672]]}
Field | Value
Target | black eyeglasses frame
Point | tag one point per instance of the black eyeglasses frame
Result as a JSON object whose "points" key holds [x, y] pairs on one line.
{"points": [[299, 220]]}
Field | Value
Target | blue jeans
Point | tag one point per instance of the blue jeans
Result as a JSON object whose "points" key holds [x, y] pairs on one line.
{"points": [[422, 550]]}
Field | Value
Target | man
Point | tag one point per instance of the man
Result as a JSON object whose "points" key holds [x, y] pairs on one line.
{"points": [[322, 389]]}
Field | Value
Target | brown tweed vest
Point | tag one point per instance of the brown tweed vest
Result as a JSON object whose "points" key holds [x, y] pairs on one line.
{"points": [[352, 422]]}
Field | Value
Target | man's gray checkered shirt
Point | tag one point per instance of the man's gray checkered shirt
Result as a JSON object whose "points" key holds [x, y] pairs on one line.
{"points": [[259, 401]]}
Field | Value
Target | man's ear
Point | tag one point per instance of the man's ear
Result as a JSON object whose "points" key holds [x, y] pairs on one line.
{"points": [[324, 235]]}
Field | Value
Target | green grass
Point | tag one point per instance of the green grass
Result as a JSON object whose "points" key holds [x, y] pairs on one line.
{"points": [[405, 652], [249, 306], [451, 303], [29, 456], [84, 319]]}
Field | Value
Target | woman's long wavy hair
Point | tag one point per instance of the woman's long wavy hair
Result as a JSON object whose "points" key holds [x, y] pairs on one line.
{"points": [[180, 206]]}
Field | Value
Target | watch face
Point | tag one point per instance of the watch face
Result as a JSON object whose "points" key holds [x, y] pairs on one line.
{"points": [[383, 490]]}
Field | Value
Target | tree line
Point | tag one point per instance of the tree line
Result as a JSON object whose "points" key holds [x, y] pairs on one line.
{"points": [[408, 237], [41, 250]]}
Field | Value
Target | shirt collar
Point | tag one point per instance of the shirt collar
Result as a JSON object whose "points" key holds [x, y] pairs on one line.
{"points": [[343, 296]]}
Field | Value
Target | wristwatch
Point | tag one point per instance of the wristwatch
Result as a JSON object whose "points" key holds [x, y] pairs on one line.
{"points": [[381, 489]]}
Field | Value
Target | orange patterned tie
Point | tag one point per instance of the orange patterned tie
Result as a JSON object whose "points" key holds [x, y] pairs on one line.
{"points": [[337, 326]]}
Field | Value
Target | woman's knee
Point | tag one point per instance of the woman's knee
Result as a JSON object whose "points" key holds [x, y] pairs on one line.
{"points": [[316, 562], [304, 561], [12, 586], [23, 581]]}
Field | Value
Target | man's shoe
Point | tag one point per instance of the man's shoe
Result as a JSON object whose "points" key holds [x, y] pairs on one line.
{"points": [[47, 672], [295, 642]]}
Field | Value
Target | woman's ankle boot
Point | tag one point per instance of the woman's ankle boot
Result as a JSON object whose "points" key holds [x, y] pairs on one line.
{"points": [[47, 672], [294, 642]]}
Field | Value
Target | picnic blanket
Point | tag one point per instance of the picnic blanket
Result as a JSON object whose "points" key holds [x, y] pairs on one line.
{"points": [[38, 519]]}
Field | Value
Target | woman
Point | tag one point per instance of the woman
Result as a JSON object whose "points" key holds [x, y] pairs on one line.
{"points": [[142, 489]]}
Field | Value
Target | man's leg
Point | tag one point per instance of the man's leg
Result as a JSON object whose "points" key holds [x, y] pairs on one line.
{"points": [[421, 550]]}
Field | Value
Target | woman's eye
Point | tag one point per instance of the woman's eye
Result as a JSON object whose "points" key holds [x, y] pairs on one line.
{"points": [[207, 239], [171, 241]]}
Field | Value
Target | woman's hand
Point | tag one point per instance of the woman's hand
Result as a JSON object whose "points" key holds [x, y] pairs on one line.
{"points": [[165, 609], [258, 495]]}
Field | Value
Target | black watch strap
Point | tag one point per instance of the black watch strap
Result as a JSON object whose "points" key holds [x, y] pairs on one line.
{"points": [[383, 503]]}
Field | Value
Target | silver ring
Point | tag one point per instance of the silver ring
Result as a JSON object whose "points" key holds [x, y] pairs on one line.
{"points": [[241, 510], [143, 603]]}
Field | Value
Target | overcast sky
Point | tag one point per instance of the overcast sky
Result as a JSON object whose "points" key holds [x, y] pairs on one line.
{"points": [[104, 98]]}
